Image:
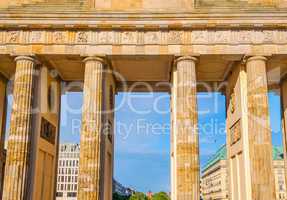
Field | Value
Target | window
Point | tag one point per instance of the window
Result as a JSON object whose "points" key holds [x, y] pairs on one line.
{"points": [[71, 194], [59, 194]]}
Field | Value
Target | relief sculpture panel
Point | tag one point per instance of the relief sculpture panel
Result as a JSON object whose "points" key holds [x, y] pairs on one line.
{"points": [[235, 132], [170, 37]]}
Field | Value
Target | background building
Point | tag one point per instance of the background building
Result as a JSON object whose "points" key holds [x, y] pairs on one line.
{"points": [[121, 190], [67, 179], [214, 177]]}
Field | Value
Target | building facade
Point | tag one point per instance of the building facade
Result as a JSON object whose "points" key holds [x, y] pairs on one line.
{"points": [[122, 190], [68, 171], [102, 47], [214, 178]]}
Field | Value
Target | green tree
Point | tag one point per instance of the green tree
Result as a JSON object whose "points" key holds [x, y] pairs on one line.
{"points": [[116, 196], [138, 196], [160, 196]]}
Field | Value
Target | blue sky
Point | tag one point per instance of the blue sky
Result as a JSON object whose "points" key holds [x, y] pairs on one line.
{"points": [[142, 138]]}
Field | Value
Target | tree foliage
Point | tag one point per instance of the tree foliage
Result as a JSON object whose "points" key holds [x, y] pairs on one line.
{"points": [[160, 196], [116, 196], [138, 196], [142, 196]]}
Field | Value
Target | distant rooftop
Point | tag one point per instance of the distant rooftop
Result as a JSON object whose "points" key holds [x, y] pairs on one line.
{"points": [[221, 155]]}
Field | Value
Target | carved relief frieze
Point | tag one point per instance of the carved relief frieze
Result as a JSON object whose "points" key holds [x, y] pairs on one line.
{"points": [[152, 37], [105, 37], [235, 132], [175, 37], [82, 37], [13, 37], [129, 37], [268, 36], [164, 37], [219, 36], [199, 37], [59, 37], [37, 36]]}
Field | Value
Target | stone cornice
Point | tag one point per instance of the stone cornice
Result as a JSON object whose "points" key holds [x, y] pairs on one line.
{"points": [[114, 20]]}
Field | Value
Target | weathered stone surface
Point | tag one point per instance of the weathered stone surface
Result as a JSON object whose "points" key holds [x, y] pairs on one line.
{"points": [[284, 120], [249, 148], [3, 109], [139, 5], [238, 159], [253, 36], [62, 31], [186, 152], [260, 144], [90, 154], [17, 163]]}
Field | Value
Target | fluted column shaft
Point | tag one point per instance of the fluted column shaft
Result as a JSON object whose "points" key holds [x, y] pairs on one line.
{"points": [[16, 170], [3, 108], [259, 133], [186, 133], [284, 121], [89, 170]]}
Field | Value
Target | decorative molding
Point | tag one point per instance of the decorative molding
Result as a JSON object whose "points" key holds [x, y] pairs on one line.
{"points": [[184, 58], [21, 57], [94, 59], [235, 132], [48, 131], [171, 37]]}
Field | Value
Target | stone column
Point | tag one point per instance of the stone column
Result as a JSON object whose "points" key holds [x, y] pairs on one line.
{"points": [[90, 154], [284, 120], [185, 133], [16, 170], [259, 133], [3, 112]]}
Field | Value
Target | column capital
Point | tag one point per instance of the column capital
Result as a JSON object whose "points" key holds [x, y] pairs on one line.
{"points": [[254, 58], [28, 58], [183, 58], [95, 59]]}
